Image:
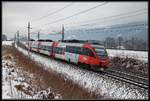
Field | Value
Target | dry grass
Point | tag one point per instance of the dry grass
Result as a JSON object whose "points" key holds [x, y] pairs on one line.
{"points": [[129, 65], [44, 79]]}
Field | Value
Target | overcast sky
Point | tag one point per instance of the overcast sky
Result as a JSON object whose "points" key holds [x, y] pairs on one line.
{"points": [[16, 15]]}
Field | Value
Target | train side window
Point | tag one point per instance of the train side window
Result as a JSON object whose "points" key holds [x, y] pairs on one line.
{"points": [[64, 49], [67, 49], [76, 50], [50, 48], [79, 50], [91, 53], [70, 49], [54, 50], [45, 48], [84, 52], [59, 50], [42, 47]]}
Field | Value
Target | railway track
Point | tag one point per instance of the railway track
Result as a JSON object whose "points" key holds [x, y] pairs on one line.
{"points": [[128, 78], [124, 77]]}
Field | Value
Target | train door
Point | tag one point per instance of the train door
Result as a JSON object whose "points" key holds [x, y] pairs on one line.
{"points": [[52, 49], [39, 46], [71, 54], [74, 58], [54, 44]]}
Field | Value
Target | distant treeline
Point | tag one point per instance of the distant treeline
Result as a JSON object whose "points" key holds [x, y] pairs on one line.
{"points": [[131, 44], [4, 37]]}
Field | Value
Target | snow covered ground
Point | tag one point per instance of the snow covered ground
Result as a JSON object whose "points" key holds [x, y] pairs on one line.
{"points": [[140, 55], [7, 42], [97, 83], [15, 86]]}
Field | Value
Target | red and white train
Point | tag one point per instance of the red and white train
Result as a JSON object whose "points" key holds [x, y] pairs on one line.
{"points": [[92, 55]]}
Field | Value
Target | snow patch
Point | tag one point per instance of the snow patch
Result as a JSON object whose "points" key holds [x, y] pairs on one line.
{"points": [[15, 86], [140, 55], [7, 42]]}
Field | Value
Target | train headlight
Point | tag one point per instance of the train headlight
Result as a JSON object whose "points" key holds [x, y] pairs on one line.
{"points": [[84, 58]]}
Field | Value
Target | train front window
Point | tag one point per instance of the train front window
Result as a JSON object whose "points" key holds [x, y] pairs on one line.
{"points": [[101, 52], [87, 52]]}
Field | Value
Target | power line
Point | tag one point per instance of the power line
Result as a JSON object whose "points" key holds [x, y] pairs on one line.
{"points": [[54, 12], [127, 27], [115, 18], [118, 15], [139, 10], [111, 19], [123, 17], [77, 13]]}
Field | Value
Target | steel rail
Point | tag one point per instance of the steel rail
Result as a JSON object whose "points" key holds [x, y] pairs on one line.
{"points": [[126, 79], [135, 76]]}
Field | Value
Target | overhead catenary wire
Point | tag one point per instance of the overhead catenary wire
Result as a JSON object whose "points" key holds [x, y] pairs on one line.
{"points": [[98, 19], [129, 28], [77, 13], [50, 14], [118, 19], [87, 24], [118, 15], [123, 17]]}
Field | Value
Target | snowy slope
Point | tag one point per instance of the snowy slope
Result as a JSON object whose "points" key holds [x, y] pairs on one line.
{"points": [[94, 83], [7, 42], [140, 55], [13, 79]]}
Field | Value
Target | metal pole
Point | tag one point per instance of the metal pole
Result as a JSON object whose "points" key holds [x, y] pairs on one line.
{"points": [[62, 32], [28, 33], [15, 38], [38, 35], [18, 36], [28, 36]]}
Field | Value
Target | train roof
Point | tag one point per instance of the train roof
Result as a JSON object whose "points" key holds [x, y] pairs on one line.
{"points": [[95, 42], [46, 40]]}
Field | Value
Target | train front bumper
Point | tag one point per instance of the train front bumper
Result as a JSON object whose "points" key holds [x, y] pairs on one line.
{"points": [[104, 63]]}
